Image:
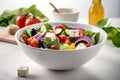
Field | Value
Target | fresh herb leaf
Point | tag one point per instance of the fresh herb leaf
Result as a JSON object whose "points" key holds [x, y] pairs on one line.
{"points": [[116, 39], [95, 37], [48, 26], [111, 31], [89, 33], [102, 23], [49, 42]]}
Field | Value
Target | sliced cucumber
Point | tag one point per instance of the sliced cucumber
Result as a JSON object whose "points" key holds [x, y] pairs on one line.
{"points": [[58, 31], [63, 46], [28, 31], [67, 32], [42, 29], [22, 40], [25, 33]]}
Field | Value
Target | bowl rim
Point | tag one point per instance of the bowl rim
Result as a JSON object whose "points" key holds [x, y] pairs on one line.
{"points": [[24, 28], [76, 11]]}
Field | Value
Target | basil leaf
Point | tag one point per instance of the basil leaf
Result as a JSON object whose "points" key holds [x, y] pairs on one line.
{"points": [[111, 31], [102, 23], [116, 39]]}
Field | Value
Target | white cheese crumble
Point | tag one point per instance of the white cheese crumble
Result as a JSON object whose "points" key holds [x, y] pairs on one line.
{"points": [[74, 33], [50, 36]]}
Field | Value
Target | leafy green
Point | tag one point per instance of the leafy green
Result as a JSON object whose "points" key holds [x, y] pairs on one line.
{"points": [[116, 40], [102, 23], [48, 26], [95, 37], [89, 33], [8, 17], [113, 33], [49, 42]]}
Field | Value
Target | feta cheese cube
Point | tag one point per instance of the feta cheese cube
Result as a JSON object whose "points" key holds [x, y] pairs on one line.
{"points": [[23, 71], [74, 33], [80, 46], [50, 36]]}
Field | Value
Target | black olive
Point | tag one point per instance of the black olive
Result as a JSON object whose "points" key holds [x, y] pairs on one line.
{"points": [[34, 31], [42, 44]]}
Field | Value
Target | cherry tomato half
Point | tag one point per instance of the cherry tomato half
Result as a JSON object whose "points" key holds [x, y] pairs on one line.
{"points": [[54, 47], [61, 26], [62, 38]]}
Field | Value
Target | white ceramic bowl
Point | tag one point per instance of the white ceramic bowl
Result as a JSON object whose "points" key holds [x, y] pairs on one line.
{"points": [[66, 14], [62, 59]]}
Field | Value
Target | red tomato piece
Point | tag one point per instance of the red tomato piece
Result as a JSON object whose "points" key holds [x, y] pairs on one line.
{"points": [[34, 43], [24, 37], [88, 45], [81, 32], [68, 41], [54, 47], [29, 40], [61, 26], [62, 38]]}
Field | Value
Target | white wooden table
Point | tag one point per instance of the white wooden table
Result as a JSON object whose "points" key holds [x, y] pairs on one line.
{"points": [[104, 66]]}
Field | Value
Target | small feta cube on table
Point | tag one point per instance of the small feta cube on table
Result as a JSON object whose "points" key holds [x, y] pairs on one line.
{"points": [[23, 71]]}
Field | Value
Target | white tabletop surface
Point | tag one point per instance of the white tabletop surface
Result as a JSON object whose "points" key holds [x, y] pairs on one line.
{"points": [[104, 66]]}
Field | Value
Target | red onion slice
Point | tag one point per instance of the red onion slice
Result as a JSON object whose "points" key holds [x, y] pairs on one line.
{"points": [[37, 35], [87, 39]]}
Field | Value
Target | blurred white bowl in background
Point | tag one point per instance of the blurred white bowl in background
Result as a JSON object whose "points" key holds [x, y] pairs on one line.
{"points": [[66, 14]]}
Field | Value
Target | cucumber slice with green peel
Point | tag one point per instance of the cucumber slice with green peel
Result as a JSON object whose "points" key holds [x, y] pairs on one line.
{"points": [[25, 33], [22, 40], [58, 31], [42, 29], [45, 27], [28, 31], [67, 32], [63, 46]]}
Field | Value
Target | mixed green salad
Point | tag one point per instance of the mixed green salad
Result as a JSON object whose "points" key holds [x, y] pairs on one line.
{"points": [[59, 37]]}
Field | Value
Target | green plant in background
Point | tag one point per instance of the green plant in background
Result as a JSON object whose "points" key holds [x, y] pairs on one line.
{"points": [[113, 33], [8, 17]]}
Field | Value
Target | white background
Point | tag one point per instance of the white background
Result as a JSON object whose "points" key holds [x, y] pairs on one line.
{"points": [[112, 7]]}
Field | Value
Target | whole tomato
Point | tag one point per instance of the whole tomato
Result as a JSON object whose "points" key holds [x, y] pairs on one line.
{"points": [[32, 20], [20, 20]]}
